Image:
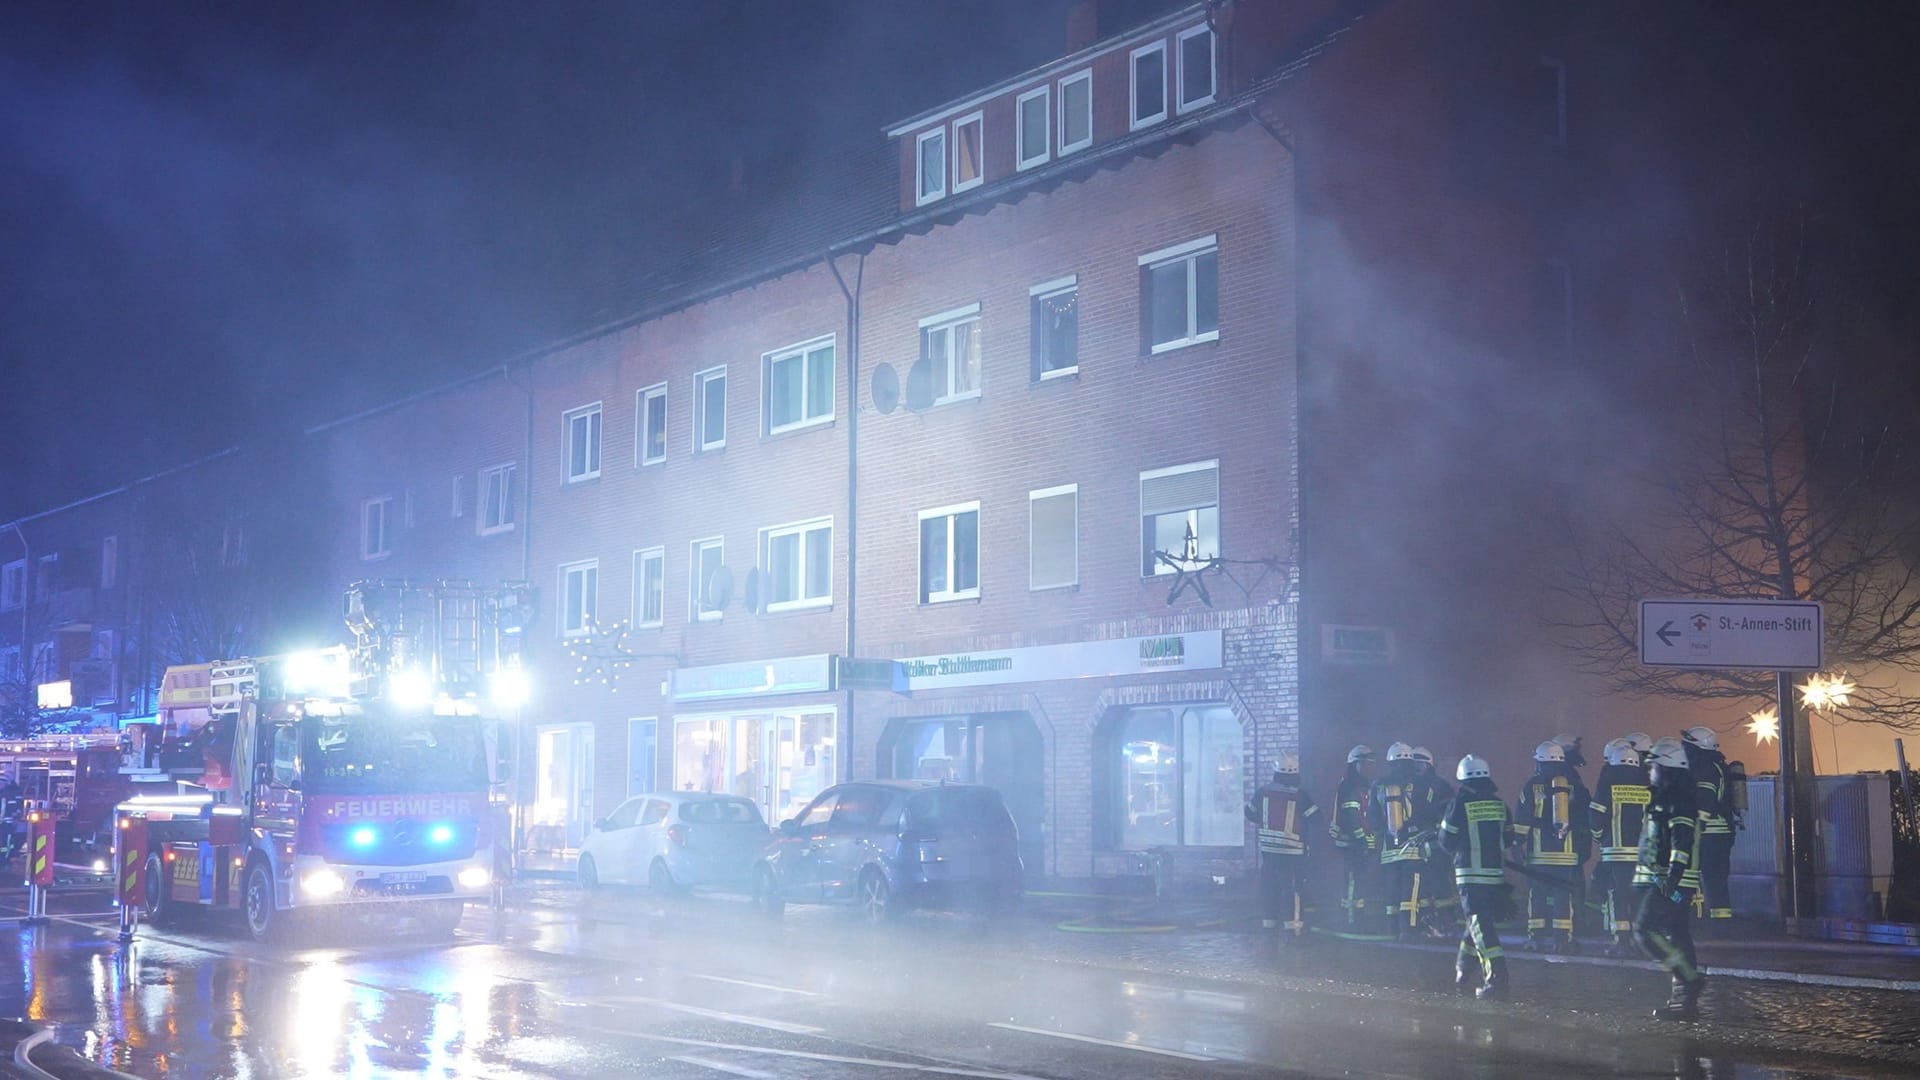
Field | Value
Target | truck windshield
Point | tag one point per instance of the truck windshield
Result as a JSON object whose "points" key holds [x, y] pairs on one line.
{"points": [[382, 754]]}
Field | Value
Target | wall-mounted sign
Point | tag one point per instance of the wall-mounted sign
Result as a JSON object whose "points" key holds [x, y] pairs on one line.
{"points": [[1196, 651], [56, 695], [757, 678], [855, 673]]}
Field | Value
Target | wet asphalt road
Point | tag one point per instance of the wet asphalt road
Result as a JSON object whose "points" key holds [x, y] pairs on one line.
{"points": [[619, 984]]}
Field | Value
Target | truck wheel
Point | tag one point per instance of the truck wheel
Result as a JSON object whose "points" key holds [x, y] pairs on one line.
{"points": [[264, 921], [162, 910]]}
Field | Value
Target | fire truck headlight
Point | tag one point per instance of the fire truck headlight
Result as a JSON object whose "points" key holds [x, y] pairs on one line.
{"points": [[99, 866], [410, 689], [510, 688], [475, 877], [323, 883]]}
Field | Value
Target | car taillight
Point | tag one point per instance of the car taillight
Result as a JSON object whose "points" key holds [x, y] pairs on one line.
{"points": [[677, 834]]}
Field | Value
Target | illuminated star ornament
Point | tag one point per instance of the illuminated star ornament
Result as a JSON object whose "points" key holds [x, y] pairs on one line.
{"points": [[1826, 693], [1764, 725], [601, 654]]}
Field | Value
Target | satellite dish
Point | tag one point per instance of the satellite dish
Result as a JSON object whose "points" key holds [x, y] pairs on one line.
{"points": [[753, 590], [884, 388], [717, 593], [920, 385]]}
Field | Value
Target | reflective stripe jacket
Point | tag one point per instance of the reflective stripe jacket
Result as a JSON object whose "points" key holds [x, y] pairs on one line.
{"points": [[1349, 824], [1710, 797], [1281, 815], [1618, 810], [1551, 816], [1430, 798], [1669, 837], [1390, 813], [1474, 832]]}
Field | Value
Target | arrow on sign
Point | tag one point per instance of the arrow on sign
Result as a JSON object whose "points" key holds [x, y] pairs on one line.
{"points": [[1666, 633]]}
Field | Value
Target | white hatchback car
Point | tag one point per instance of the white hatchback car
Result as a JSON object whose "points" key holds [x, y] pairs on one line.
{"points": [[674, 839]]}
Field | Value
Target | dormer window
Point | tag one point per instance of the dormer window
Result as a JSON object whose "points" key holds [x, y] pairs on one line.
{"points": [[1076, 112], [1033, 110], [1196, 68], [930, 150], [969, 148], [1149, 89]]}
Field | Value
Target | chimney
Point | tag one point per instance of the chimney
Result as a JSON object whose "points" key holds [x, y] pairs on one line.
{"points": [[1083, 25]]}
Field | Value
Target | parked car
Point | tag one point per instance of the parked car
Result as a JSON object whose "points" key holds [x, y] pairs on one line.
{"points": [[674, 840], [892, 845]]}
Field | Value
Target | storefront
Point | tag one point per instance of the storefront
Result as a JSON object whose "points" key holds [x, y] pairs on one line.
{"points": [[562, 811], [1002, 750], [779, 756]]}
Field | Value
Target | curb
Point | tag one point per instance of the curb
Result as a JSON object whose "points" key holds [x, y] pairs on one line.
{"points": [[1803, 978], [36, 1055]]}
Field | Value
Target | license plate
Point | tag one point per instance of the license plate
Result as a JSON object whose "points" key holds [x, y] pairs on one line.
{"points": [[405, 877]]}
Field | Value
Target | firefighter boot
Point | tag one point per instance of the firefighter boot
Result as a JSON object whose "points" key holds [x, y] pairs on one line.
{"points": [[1684, 1002], [1466, 971], [1496, 986]]}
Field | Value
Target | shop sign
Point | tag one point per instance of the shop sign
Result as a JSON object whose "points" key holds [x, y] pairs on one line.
{"points": [[761, 678], [1196, 651], [857, 673]]}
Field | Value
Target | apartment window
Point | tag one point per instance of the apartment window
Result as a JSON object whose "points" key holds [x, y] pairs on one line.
{"points": [[1196, 67], [13, 584], [497, 506], [649, 586], [710, 410], [583, 443], [950, 553], [1149, 85], [650, 421], [43, 580], [109, 562], [969, 147], [707, 601], [1033, 113], [1179, 515], [1076, 112], [951, 343], [460, 495], [375, 541], [1180, 295], [930, 154], [1054, 337], [1552, 99], [579, 597], [798, 560], [1053, 516], [799, 386]]}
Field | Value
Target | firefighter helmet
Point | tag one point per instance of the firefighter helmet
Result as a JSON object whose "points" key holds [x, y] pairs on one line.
{"points": [[1640, 741], [1549, 751], [1703, 737], [1472, 768], [1360, 753], [1399, 752], [1621, 752], [1289, 763], [1668, 754], [1423, 755]]}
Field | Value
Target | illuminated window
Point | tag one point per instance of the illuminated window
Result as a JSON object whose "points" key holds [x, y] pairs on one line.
{"points": [[1055, 331], [375, 518], [969, 148], [497, 500], [1196, 68], [1076, 112], [579, 597], [798, 563], [1148, 85], [951, 343], [1034, 111], [1180, 295], [650, 421], [1172, 776], [1179, 515], [583, 443], [1054, 523], [649, 586], [710, 410], [930, 156], [799, 386], [707, 599], [950, 553]]}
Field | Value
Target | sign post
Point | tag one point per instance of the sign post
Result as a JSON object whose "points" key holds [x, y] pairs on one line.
{"points": [[1782, 636]]}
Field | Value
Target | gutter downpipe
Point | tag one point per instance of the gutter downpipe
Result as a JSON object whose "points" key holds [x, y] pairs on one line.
{"points": [[520, 770], [852, 297]]}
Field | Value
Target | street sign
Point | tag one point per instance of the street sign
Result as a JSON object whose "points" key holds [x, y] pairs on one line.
{"points": [[1772, 635]]}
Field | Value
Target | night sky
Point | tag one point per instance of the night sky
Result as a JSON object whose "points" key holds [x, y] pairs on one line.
{"points": [[221, 219]]}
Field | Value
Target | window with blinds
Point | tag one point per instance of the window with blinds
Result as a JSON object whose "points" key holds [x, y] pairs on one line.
{"points": [[1179, 517], [1054, 518]]}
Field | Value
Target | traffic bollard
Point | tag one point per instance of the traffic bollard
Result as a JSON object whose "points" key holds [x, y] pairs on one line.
{"points": [[130, 876], [40, 845]]}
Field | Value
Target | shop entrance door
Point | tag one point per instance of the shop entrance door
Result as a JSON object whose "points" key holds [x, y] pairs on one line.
{"points": [[563, 801], [1000, 750]]}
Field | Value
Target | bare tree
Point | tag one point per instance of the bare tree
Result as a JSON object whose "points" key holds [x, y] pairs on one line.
{"points": [[1796, 482]]}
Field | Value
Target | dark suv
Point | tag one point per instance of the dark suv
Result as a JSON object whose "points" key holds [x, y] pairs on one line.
{"points": [[891, 845]]}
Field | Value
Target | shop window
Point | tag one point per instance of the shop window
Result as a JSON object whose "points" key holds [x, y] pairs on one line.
{"points": [[1179, 517], [1173, 777], [777, 760]]}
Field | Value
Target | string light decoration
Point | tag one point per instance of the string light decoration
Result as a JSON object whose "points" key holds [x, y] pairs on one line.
{"points": [[602, 654], [1190, 570], [1764, 725]]}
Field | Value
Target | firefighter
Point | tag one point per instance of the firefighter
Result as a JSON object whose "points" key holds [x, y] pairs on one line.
{"points": [[1642, 744], [1390, 819], [1430, 797], [1359, 849], [1474, 831], [1619, 806], [1714, 804], [1282, 814], [1663, 874], [1550, 821]]}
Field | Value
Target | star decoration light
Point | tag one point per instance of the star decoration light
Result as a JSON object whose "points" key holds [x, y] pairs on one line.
{"points": [[600, 655], [1764, 725], [1826, 693]]}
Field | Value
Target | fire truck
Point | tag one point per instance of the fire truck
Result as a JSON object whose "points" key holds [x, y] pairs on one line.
{"points": [[364, 779]]}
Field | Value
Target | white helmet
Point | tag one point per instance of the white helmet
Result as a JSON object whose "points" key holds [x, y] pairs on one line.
{"points": [[1640, 741], [1620, 752], [1422, 754], [1399, 752], [1703, 737], [1668, 754], [1360, 753], [1289, 762], [1549, 751], [1472, 768]]}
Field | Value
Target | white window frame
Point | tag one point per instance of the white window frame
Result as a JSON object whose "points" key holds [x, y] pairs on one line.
{"points": [[946, 320], [695, 611], [641, 557], [1021, 161], [109, 561], [800, 529], [1180, 76], [1140, 493], [919, 564], [803, 351], [507, 506], [14, 586], [1054, 493], [589, 602], [953, 156], [385, 503], [1189, 253], [1044, 290], [642, 433], [1085, 75], [700, 381], [567, 418], [1135, 123], [922, 196]]}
